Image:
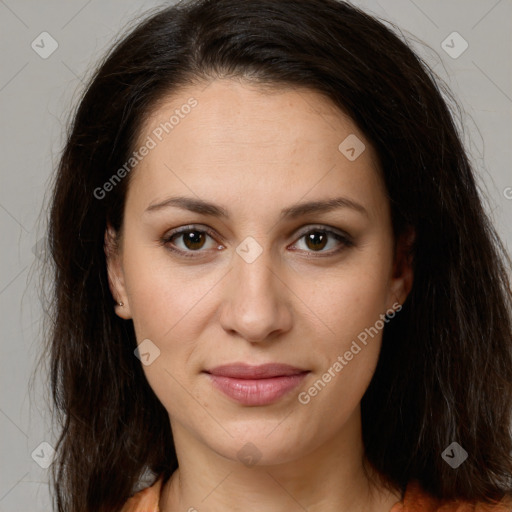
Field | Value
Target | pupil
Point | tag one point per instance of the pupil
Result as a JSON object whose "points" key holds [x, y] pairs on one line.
{"points": [[316, 240], [193, 239]]}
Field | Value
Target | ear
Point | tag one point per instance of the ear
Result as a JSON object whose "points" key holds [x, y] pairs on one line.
{"points": [[115, 273], [403, 276]]}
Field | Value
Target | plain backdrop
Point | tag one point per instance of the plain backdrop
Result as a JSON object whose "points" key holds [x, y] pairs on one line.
{"points": [[36, 95]]}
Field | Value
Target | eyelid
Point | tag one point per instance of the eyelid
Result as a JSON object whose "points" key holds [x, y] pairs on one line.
{"points": [[322, 227], [192, 227]]}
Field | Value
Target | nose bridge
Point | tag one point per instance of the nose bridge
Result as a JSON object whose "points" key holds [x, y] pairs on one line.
{"points": [[256, 305], [253, 265], [255, 278]]}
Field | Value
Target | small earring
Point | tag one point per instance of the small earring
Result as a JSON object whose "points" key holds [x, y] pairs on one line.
{"points": [[120, 303]]}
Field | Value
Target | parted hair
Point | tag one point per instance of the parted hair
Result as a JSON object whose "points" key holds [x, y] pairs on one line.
{"points": [[445, 367]]}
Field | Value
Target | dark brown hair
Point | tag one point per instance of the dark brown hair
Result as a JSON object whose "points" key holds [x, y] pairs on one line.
{"points": [[445, 369]]}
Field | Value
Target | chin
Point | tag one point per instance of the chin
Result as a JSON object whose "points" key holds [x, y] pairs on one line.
{"points": [[261, 443]]}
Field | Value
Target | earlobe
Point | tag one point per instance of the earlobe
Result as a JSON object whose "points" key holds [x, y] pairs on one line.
{"points": [[403, 273], [115, 273]]}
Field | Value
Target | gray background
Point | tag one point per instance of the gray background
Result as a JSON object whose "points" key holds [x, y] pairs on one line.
{"points": [[36, 95]]}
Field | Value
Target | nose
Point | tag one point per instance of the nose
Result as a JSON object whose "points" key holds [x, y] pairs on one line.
{"points": [[256, 305]]}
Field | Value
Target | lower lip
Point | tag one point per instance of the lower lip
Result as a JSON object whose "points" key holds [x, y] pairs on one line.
{"points": [[257, 391]]}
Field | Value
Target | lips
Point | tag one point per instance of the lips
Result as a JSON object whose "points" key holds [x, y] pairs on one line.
{"points": [[264, 371], [256, 385]]}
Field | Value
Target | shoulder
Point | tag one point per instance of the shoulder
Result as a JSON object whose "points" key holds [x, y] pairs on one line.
{"points": [[416, 499], [145, 500]]}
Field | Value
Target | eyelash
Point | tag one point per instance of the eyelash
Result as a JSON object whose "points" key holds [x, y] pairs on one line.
{"points": [[345, 240]]}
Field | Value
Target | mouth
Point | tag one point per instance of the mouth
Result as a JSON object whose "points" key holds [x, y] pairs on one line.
{"points": [[256, 385]]}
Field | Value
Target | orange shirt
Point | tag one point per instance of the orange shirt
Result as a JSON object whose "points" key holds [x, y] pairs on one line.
{"points": [[415, 500]]}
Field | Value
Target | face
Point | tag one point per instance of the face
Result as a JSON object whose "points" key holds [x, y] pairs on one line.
{"points": [[254, 235]]}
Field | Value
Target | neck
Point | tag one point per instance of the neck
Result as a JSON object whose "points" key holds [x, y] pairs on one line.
{"points": [[331, 477]]}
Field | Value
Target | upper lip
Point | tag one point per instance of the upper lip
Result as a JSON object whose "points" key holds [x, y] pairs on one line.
{"points": [[264, 371]]}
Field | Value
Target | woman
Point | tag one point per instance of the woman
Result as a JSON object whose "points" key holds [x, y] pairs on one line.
{"points": [[275, 284]]}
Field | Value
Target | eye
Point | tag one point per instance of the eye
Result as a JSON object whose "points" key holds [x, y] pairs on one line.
{"points": [[320, 238], [190, 239]]}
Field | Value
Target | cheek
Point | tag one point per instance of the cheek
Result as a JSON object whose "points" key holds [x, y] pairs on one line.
{"points": [[167, 308], [171, 307], [161, 294], [349, 302], [350, 298], [348, 354]]}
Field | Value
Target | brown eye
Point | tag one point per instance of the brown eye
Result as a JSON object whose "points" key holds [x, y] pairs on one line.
{"points": [[316, 240], [190, 241], [193, 240], [324, 242]]}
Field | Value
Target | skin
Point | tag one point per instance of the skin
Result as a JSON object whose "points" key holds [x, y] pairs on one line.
{"points": [[253, 152]]}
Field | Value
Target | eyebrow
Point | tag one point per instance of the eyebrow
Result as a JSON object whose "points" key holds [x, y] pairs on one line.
{"points": [[205, 208]]}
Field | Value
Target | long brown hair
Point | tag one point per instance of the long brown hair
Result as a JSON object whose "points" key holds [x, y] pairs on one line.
{"points": [[445, 369]]}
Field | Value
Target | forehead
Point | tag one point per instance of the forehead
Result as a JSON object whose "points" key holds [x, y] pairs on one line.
{"points": [[229, 136], [244, 112]]}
